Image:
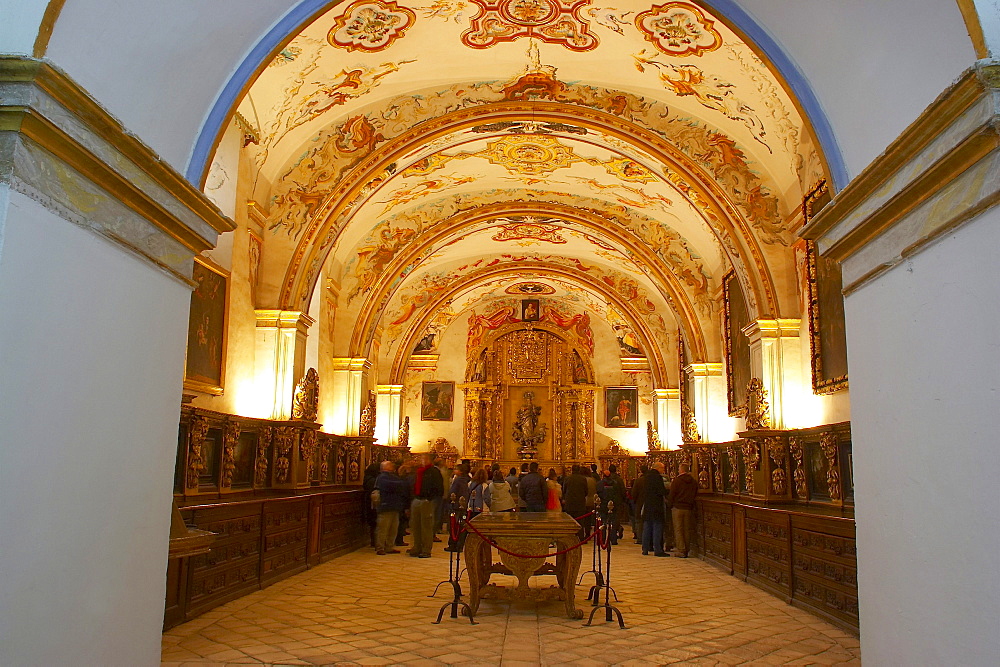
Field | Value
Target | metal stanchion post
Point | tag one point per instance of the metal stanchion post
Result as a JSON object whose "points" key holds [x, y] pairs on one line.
{"points": [[610, 610], [454, 566]]}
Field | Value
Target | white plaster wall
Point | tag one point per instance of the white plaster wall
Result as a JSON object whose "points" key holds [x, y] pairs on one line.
{"points": [[925, 384], [91, 357], [873, 65]]}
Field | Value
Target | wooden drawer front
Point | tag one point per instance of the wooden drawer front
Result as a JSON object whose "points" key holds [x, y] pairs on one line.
{"points": [[825, 573], [342, 523], [232, 566], [286, 533], [718, 522], [768, 553]]}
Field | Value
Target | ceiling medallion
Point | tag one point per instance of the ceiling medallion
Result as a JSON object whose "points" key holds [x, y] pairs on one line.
{"points": [[529, 154], [530, 288], [529, 228], [370, 26], [679, 29], [552, 21]]}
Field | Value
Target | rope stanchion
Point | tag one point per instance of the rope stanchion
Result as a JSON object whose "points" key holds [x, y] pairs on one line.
{"points": [[608, 607], [456, 523]]}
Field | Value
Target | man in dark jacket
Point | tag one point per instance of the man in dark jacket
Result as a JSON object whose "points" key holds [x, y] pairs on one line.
{"points": [[653, 510], [612, 489], [638, 493], [683, 490], [394, 497], [427, 486], [460, 485], [533, 490]]}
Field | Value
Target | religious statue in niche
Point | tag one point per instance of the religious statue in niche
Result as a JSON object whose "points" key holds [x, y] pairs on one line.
{"points": [[621, 407], [530, 310], [528, 432], [437, 401], [479, 374]]}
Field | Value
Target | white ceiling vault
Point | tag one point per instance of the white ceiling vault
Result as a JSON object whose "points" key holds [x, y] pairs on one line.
{"points": [[425, 155]]}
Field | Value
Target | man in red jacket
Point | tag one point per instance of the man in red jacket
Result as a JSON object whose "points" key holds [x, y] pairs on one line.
{"points": [[683, 490]]}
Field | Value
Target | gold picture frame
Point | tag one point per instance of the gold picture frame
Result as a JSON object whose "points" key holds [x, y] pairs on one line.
{"points": [[735, 343]]}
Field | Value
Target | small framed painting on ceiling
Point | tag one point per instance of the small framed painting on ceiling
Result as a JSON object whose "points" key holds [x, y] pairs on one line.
{"points": [[437, 401], [621, 407]]}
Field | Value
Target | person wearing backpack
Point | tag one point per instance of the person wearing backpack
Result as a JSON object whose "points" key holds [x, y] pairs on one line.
{"points": [[390, 496]]}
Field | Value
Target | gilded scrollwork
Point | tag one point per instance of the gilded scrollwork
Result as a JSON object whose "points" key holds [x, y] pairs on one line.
{"points": [[734, 468], [829, 443], [307, 446], [305, 402], [704, 477], [324, 459], [230, 438], [403, 439], [717, 468], [756, 411], [689, 426], [653, 443], [196, 461], [260, 461], [284, 439], [751, 460], [779, 477], [799, 476], [367, 427]]}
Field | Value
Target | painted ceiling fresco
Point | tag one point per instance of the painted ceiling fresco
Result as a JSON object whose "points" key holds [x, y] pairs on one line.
{"points": [[419, 153]]}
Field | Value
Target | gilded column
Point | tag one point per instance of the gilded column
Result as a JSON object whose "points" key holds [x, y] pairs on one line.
{"points": [[389, 410], [708, 401], [280, 356], [347, 396], [776, 358]]}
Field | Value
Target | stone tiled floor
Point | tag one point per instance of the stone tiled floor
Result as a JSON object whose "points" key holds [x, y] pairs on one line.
{"points": [[375, 610]]}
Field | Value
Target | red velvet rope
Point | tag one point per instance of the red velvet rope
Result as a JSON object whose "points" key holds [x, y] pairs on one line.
{"points": [[511, 553]]}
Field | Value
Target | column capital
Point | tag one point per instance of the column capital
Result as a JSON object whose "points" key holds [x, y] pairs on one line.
{"points": [[665, 394], [350, 364], [283, 319], [389, 389], [704, 369], [781, 328]]}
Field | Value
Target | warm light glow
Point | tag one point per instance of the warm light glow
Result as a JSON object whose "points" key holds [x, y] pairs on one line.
{"points": [[249, 400]]}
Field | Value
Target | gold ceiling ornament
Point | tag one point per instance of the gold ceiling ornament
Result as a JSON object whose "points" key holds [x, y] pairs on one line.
{"points": [[529, 228], [679, 29], [530, 154], [756, 410], [689, 427], [551, 21], [305, 403]]}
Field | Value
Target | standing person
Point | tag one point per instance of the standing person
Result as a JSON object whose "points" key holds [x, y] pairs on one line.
{"points": [[512, 480], [371, 473], [406, 473], [575, 498], [427, 486], [460, 485], [440, 510], [588, 525], [477, 492], [533, 490], [653, 510], [683, 491], [553, 500], [521, 506], [394, 497], [638, 496], [498, 494], [611, 488]]}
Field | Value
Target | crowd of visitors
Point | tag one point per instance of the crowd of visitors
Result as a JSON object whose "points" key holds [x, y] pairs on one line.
{"points": [[417, 501]]}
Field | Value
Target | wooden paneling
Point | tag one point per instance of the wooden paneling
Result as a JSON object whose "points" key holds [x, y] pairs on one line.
{"points": [[260, 541], [804, 555]]}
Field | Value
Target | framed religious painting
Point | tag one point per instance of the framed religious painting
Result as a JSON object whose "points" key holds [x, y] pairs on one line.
{"points": [[437, 401], [621, 407], [737, 345], [530, 310], [204, 368], [824, 286]]}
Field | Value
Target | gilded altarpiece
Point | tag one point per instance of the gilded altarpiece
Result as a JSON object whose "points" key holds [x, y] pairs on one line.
{"points": [[529, 394]]}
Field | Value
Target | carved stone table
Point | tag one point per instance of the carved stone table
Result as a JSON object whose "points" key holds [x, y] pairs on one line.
{"points": [[528, 533]]}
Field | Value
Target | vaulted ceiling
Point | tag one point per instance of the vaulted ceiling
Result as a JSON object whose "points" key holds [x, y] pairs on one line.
{"points": [[426, 156]]}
